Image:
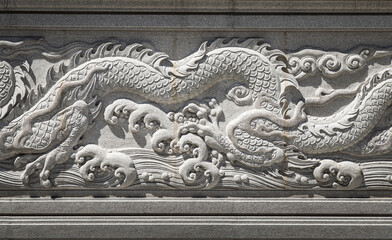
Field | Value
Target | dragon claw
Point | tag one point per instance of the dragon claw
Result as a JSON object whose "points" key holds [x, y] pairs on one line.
{"points": [[201, 129], [30, 169], [46, 183], [24, 179], [44, 164]]}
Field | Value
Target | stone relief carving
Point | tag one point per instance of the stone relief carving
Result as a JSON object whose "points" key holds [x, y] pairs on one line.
{"points": [[232, 115]]}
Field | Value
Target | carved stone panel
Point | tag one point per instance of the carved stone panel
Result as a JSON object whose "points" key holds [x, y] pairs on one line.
{"points": [[234, 114]]}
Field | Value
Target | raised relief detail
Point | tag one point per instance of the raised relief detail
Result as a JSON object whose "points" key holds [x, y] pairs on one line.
{"points": [[233, 115]]}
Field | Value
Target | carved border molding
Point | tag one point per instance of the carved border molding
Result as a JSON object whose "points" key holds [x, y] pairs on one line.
{"points": [[236, 218], [139, 22], [196, 206], [201, 6], [195, 218], [196, 227]]}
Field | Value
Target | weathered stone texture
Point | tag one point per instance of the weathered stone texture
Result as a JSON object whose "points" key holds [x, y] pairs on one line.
{"points": [[211, 99]]}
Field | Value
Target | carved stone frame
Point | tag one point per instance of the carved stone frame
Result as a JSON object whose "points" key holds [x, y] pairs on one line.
{"points": [[121, 214]]}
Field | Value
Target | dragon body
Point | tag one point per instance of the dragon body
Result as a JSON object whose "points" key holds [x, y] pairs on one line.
{"points": [[257, 130], [358, 119]]}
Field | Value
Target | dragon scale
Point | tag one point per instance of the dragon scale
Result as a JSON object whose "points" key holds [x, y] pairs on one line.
{"points": [[140, 78]]}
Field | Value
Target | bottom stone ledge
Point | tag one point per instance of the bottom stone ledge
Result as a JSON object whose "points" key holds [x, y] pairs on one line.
{"points": [[190, 227], [317, 207]]}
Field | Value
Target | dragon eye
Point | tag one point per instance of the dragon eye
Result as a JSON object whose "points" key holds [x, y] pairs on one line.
{"points": [[240, 95], [241, 91]]}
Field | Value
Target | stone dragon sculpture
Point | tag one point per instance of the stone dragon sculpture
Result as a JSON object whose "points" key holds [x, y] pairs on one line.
{"points": [[274, 128]]}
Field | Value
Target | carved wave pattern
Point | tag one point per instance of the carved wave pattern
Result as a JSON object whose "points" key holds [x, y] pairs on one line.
{"points": [[157, 172]]}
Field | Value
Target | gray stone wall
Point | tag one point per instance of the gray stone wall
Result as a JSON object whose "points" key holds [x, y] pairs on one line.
{"points": [[195, 119]]}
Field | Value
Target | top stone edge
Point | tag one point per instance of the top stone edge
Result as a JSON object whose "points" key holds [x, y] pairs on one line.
{"points": [[200, 6]]}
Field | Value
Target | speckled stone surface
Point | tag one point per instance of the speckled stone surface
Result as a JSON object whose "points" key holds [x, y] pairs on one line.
{"points": [[195, 120]]}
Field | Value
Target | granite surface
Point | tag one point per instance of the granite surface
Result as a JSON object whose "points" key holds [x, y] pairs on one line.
{"points": [[195, 120]]}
